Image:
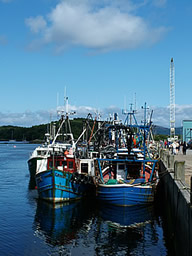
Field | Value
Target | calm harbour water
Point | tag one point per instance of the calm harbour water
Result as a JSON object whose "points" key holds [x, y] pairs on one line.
{"points": [[32, 227]]}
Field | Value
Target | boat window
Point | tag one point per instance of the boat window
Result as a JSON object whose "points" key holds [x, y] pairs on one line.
{"points": [[64, 164], [94, 155], [84, 167], [121, 167], [70, 164], [58, 163], [39, 153]]}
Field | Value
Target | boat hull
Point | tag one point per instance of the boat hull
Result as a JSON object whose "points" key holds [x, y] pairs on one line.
{"points": [[56, 186], [33, 166], [125, 194]]}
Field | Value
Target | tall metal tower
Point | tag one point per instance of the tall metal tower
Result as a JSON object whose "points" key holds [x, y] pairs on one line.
{"points": [[172, 99]]}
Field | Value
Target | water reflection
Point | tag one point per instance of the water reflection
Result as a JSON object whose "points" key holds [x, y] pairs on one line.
{"points": [[59, 223], [127, 216], [123, 228], [32, 227], [85, 227]]}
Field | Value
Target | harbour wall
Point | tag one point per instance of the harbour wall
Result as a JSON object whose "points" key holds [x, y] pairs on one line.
{"points": [[177, 202]]}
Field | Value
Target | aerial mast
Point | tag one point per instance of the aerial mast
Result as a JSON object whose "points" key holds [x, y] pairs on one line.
{"points": [[172, 99]]}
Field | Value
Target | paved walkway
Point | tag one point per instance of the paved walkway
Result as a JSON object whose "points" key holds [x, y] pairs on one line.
{"points": [[188, 164]]}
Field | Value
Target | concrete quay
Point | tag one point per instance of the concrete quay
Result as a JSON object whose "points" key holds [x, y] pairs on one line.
{"points": [[187, 166], [174, 162], [175, 173]]}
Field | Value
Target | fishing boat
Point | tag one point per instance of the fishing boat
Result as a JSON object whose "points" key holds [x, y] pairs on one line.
{"points": [[41, 153], [57, 141], [55, 169], [65, 177], [129, 176], [129, 186], [55, 184], [62, 174]]}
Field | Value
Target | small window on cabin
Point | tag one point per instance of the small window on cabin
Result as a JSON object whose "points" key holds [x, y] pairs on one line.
{"points": [[84, 167], [57, 163], [39, 153], [121, 166], [64, 164], [70, 164]]}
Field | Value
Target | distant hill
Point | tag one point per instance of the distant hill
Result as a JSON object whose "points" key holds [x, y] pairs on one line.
{"points": [[36, 133], [159, 130]]}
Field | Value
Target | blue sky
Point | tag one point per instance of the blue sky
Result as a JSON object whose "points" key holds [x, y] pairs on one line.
{"points": [[103, 52]]}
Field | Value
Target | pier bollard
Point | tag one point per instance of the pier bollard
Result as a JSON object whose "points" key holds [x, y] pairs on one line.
{"points": [[165, 157], [161, 154], [168, 160], [191, 192], [179, 170], [171, 161]]}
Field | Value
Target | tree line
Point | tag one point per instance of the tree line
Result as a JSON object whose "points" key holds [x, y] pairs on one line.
{"points": [[36, 133]]}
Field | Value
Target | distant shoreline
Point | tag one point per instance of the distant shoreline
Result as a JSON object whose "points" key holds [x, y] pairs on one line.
{"points": [[21, 142]]}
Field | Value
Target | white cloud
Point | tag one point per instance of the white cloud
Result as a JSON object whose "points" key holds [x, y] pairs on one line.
{"points": [[36, 24], [160, 116], [81, 111], [159, 3], [25, 119], [105, 26]]}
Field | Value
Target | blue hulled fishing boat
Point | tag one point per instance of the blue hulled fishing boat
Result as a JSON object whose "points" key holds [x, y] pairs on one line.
{"points": [[55, 172], [126, 188], [128, 173], [55, 184], [63, 174]]}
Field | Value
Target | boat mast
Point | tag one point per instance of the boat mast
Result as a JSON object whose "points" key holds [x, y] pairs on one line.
{"points": [[172, 99]]}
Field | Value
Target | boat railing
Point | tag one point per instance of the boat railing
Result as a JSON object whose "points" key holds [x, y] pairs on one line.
{"points": [[126, 160]]}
